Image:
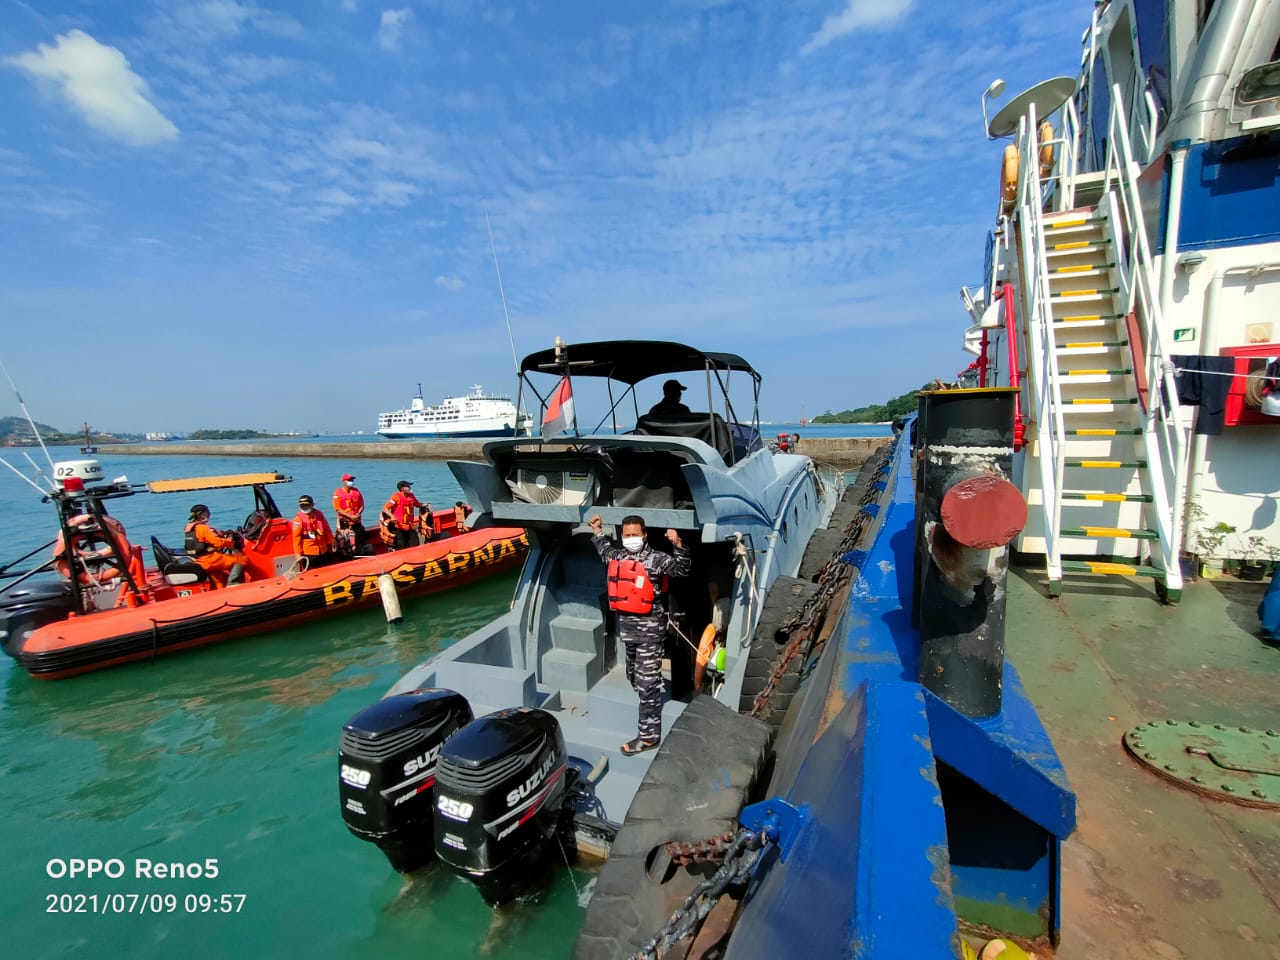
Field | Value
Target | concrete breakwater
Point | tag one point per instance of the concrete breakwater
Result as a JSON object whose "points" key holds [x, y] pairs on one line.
{"points": [[837, 451]]}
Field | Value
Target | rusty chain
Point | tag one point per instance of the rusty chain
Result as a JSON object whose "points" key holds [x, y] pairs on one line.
{"points": [[711, 850], [804, 626], [739, 859]]}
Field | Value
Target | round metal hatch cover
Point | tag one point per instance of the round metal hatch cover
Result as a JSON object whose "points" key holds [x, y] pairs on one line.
{"points": [[1239, 764]]}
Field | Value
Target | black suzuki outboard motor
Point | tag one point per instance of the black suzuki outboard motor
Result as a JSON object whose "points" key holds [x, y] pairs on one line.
{"points": [[500, 792], [387, 768], [28, 607]]}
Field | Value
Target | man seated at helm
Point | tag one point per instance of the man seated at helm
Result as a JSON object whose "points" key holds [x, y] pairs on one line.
{"points": [[215, 550], [670, 403]]}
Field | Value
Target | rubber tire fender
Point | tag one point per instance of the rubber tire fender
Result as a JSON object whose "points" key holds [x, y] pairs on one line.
{"points": [[712, 763], [786, 596]]}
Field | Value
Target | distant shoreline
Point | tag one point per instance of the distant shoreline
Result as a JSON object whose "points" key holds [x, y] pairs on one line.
{"points": [[839, 451]]}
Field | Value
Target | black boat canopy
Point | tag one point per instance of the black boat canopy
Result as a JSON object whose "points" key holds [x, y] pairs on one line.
{"points": [[630, 361]]}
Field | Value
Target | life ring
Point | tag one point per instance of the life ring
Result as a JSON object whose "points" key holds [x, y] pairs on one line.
{"points": [[1009, 179], [705, 647], [81, 539], [1046, 149]]}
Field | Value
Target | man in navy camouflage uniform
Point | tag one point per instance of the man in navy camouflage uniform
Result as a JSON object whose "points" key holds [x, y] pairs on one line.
{"points": [[643, 634]]}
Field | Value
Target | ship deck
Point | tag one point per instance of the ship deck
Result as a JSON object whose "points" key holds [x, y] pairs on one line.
{"points": [[1152, 870]]}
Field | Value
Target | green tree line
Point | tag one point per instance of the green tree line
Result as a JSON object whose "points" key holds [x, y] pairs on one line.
{"points": [[877, 412], [227, 435]]}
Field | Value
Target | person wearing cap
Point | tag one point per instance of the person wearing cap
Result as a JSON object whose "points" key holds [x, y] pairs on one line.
{"points": [[670, 403], [312, 537], [348, 508], [399, 516], [215, 550]]}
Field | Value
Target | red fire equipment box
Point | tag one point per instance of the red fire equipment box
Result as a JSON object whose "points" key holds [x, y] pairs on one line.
{"points": [[1252, 358]]}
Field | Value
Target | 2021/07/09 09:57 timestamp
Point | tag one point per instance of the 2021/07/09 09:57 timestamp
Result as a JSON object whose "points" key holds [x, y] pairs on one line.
{"points": [[103, 903]]}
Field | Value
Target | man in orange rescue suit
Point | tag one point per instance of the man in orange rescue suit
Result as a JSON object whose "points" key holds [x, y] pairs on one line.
{"points": [[312, 537], [348, 508], [637, 576], [215, 550], [401, 510]]}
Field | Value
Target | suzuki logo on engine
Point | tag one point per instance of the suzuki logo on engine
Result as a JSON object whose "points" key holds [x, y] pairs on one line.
{"points": [[526, 788], [423, 763]]}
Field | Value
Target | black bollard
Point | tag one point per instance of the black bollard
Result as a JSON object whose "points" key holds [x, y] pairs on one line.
{"points": [[967, 512]]}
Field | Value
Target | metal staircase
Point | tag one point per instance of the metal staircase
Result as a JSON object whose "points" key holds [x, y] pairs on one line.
{"points": [[1109, 448]]}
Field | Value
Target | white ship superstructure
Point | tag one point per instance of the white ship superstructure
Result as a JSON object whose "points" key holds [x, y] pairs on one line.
{"points": [[475, 414]]}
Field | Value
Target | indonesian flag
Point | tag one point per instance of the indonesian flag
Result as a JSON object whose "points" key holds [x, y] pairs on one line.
{"points": [[559, 416]]}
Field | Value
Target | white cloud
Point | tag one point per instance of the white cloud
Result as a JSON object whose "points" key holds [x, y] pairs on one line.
{"points": [[392, 26], [98, 82], [449, 283], [392, 193], [223, 16], [858, 14], [335, 197]]}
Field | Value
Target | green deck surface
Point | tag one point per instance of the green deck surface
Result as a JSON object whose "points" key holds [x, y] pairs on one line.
{"points": [[1152, 871]]}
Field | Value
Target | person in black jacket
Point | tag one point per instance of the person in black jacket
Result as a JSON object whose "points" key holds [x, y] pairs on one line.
{"points": [[670, 403]]}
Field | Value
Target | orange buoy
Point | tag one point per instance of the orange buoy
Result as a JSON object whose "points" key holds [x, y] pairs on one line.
{"points": [[705, 646], [1046, 149], [1009, 179]]}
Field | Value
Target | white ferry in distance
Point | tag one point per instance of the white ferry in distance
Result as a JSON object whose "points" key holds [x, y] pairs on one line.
{"points": [[475, 414]]}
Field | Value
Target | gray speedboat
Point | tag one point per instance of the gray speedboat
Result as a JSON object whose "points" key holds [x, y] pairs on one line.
{"points": [[421, 778]]}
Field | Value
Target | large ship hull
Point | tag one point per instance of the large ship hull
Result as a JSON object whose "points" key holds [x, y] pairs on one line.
{"points": [[431, 433]]}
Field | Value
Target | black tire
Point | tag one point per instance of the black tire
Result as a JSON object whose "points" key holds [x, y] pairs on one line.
{"points": [[824, 544], [682, 797], [786, 597], [818, 552]]}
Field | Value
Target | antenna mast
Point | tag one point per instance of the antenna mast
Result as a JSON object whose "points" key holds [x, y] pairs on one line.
{"points": [[494, 250], [23, 405]]}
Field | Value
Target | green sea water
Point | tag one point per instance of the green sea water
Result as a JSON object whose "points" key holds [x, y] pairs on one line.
{"points": [[228, 754]]}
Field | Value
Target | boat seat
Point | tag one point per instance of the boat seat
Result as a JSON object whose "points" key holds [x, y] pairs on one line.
{"points": [[176, 566], [488, 683], [710, 428]]}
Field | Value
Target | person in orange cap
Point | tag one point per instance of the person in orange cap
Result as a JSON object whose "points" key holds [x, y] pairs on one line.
{"points": [[348, 509]]}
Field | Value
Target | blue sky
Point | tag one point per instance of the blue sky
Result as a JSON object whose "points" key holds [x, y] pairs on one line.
{"points": [[271, 215]]}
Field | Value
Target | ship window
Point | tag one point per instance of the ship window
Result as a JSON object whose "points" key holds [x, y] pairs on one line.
{"points": [[1121, 65], [1206, 8], [1152, 18], [1099, 111]]}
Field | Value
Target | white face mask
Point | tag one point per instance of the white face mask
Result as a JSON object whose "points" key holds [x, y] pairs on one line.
{"points": [[306, 509], [632, 544]]}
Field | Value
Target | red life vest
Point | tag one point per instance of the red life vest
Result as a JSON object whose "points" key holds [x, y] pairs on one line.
{"points": [[348, 500], [401, 507], [631, 589]]}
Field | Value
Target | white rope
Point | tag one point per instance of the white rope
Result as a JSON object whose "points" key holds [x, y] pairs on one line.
{"points": [[740, 550], [671, 622], [1173, 368]]}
